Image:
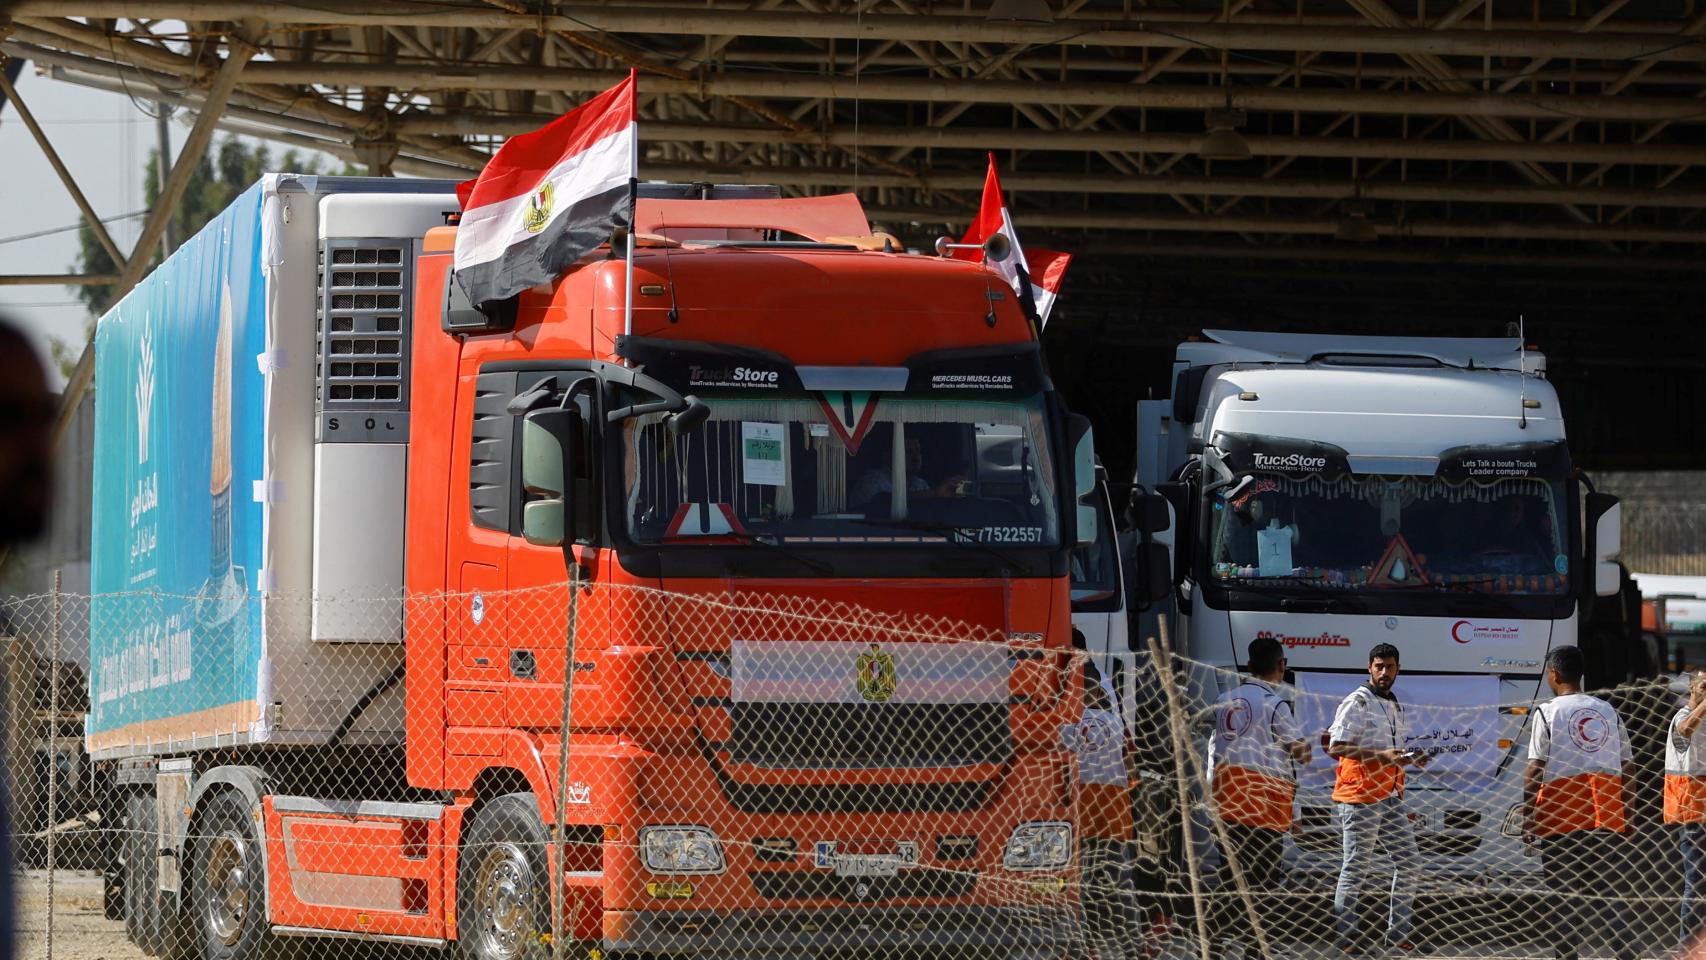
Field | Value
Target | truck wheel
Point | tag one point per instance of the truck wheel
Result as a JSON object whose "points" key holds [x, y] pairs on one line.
{"points": [[503, 896], [144, 921], [228, 907]]}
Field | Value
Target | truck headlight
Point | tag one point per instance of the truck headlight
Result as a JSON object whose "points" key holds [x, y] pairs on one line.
{"points": [[681, 850], [1038, 846]]}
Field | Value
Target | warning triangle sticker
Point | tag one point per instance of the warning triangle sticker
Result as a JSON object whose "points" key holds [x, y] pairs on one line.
{"points": [[851, 413], [1398, 566]]}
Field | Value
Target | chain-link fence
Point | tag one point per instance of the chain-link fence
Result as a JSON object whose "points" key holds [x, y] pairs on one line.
{"points": [[1664, 520], [756, 771]]}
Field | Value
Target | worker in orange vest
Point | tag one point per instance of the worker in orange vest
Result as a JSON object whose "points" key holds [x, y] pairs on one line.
{"points": [[1368, 739], [1576, 794], [1253, 778], [1685, 803]]}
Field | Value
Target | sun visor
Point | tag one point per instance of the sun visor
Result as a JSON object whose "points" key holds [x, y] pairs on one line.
{"points": [[1246, 452], [1547, 461], [699, 365], [1005, 369], [996, 370]]}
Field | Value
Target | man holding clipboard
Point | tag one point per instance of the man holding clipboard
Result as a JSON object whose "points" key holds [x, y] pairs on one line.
{"points": [[1367, 738]]}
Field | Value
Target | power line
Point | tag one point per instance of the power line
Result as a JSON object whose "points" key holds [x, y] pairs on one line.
{"points": [[75, 226]]}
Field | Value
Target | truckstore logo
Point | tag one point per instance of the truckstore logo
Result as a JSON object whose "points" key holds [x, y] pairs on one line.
{"points": [[144, 391], [1291, 461], [699, 376], [1328, 639]]}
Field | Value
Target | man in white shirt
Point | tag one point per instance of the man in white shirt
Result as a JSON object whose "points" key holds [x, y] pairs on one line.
{"points": [[1367, 738], [1685, 804], [1576, 793], [1253, 779]]}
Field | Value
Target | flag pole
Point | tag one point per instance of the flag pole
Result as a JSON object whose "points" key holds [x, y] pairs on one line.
{"points": [[628, 285], [633, 203]]}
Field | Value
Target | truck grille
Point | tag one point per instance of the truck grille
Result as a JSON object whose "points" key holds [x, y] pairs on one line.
{"points": [[856, 797], [869, 735], [913, 884]]}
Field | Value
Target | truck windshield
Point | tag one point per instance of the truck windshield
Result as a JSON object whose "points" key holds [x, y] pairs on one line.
{"points": [[1365, 533], [871, 469]]}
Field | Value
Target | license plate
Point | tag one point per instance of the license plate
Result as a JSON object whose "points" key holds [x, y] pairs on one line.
{"points": [[866, 866], [862, 864]]}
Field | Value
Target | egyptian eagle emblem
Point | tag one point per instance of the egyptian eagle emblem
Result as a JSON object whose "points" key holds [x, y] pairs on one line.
{"points": [[539, 208], [876, 675]]}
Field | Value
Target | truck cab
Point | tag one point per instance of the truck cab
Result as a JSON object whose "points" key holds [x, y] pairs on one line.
{"points": [[854, 558], [1340, 492]]}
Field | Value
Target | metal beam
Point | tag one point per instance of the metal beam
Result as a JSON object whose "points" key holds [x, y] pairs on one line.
{"points": [[492, 77], [1151, 32], [90, 217], [1318, 226], [971, 139], [57, 279], [1140, 185], [224, 82], [980, 139], [1357, 253]]}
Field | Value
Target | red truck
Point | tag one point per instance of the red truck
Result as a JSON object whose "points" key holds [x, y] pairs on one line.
{"points": [[796, 541]]}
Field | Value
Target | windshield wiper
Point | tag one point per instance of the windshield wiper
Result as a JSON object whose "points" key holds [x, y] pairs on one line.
{"points": [[1320, 597], [1467, 586], [954, 535], [1315, 584], [819, 567]]}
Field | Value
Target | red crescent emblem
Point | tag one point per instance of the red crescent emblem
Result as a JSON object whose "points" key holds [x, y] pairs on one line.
{"points": [[1459, 625]]}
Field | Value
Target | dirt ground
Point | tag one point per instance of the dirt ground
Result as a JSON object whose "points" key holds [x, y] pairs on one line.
{"points": [[80, 931]]}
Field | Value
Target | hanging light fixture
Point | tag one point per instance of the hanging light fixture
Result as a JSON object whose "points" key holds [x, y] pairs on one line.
{"points": [[1356, 227], [1224, 142]]}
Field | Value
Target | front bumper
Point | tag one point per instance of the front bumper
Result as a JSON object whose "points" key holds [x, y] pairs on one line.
{"points": [[999, 933]]}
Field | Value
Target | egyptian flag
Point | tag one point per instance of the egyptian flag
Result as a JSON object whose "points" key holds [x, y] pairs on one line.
{"points": [[549, 197], [1037, 289]]}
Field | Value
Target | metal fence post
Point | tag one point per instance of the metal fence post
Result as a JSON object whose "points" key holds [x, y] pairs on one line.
{"points": [[52, 756], [558, 828]]}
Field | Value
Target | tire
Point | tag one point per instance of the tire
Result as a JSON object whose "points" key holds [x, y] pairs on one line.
{"points": [[503, 899], [144, 921], [227, 884]]}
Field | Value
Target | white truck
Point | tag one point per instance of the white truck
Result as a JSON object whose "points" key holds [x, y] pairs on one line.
{"points": [[1338, 492]]}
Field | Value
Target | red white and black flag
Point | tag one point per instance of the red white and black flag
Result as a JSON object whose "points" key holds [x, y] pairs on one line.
{"points": [[1036, 278], [549, 197]]}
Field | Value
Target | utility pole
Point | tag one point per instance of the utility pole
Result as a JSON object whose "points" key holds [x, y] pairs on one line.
{"points": [[163, 168]]}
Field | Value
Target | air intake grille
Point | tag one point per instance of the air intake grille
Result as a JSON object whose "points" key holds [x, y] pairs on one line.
{"points": [[363, 340]]}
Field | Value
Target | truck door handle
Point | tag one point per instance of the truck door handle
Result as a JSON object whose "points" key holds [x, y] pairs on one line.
{"points": [[521, 665]]}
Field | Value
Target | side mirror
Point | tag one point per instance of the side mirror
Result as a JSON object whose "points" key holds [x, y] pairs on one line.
{"points": [[1605, 519], [690, 417], [1154, 519], [1178, 536], [1084, 475], [550, 441]]}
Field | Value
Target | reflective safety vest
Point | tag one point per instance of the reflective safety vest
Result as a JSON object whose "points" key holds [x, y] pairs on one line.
{"points": [[1581, 741], [1685, 772], [1098, 738], [1253, 782], [1372, 722]]}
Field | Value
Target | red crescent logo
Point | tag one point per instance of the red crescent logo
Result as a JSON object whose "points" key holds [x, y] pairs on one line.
{"points": [[1459, 625], [1588, 729]]}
